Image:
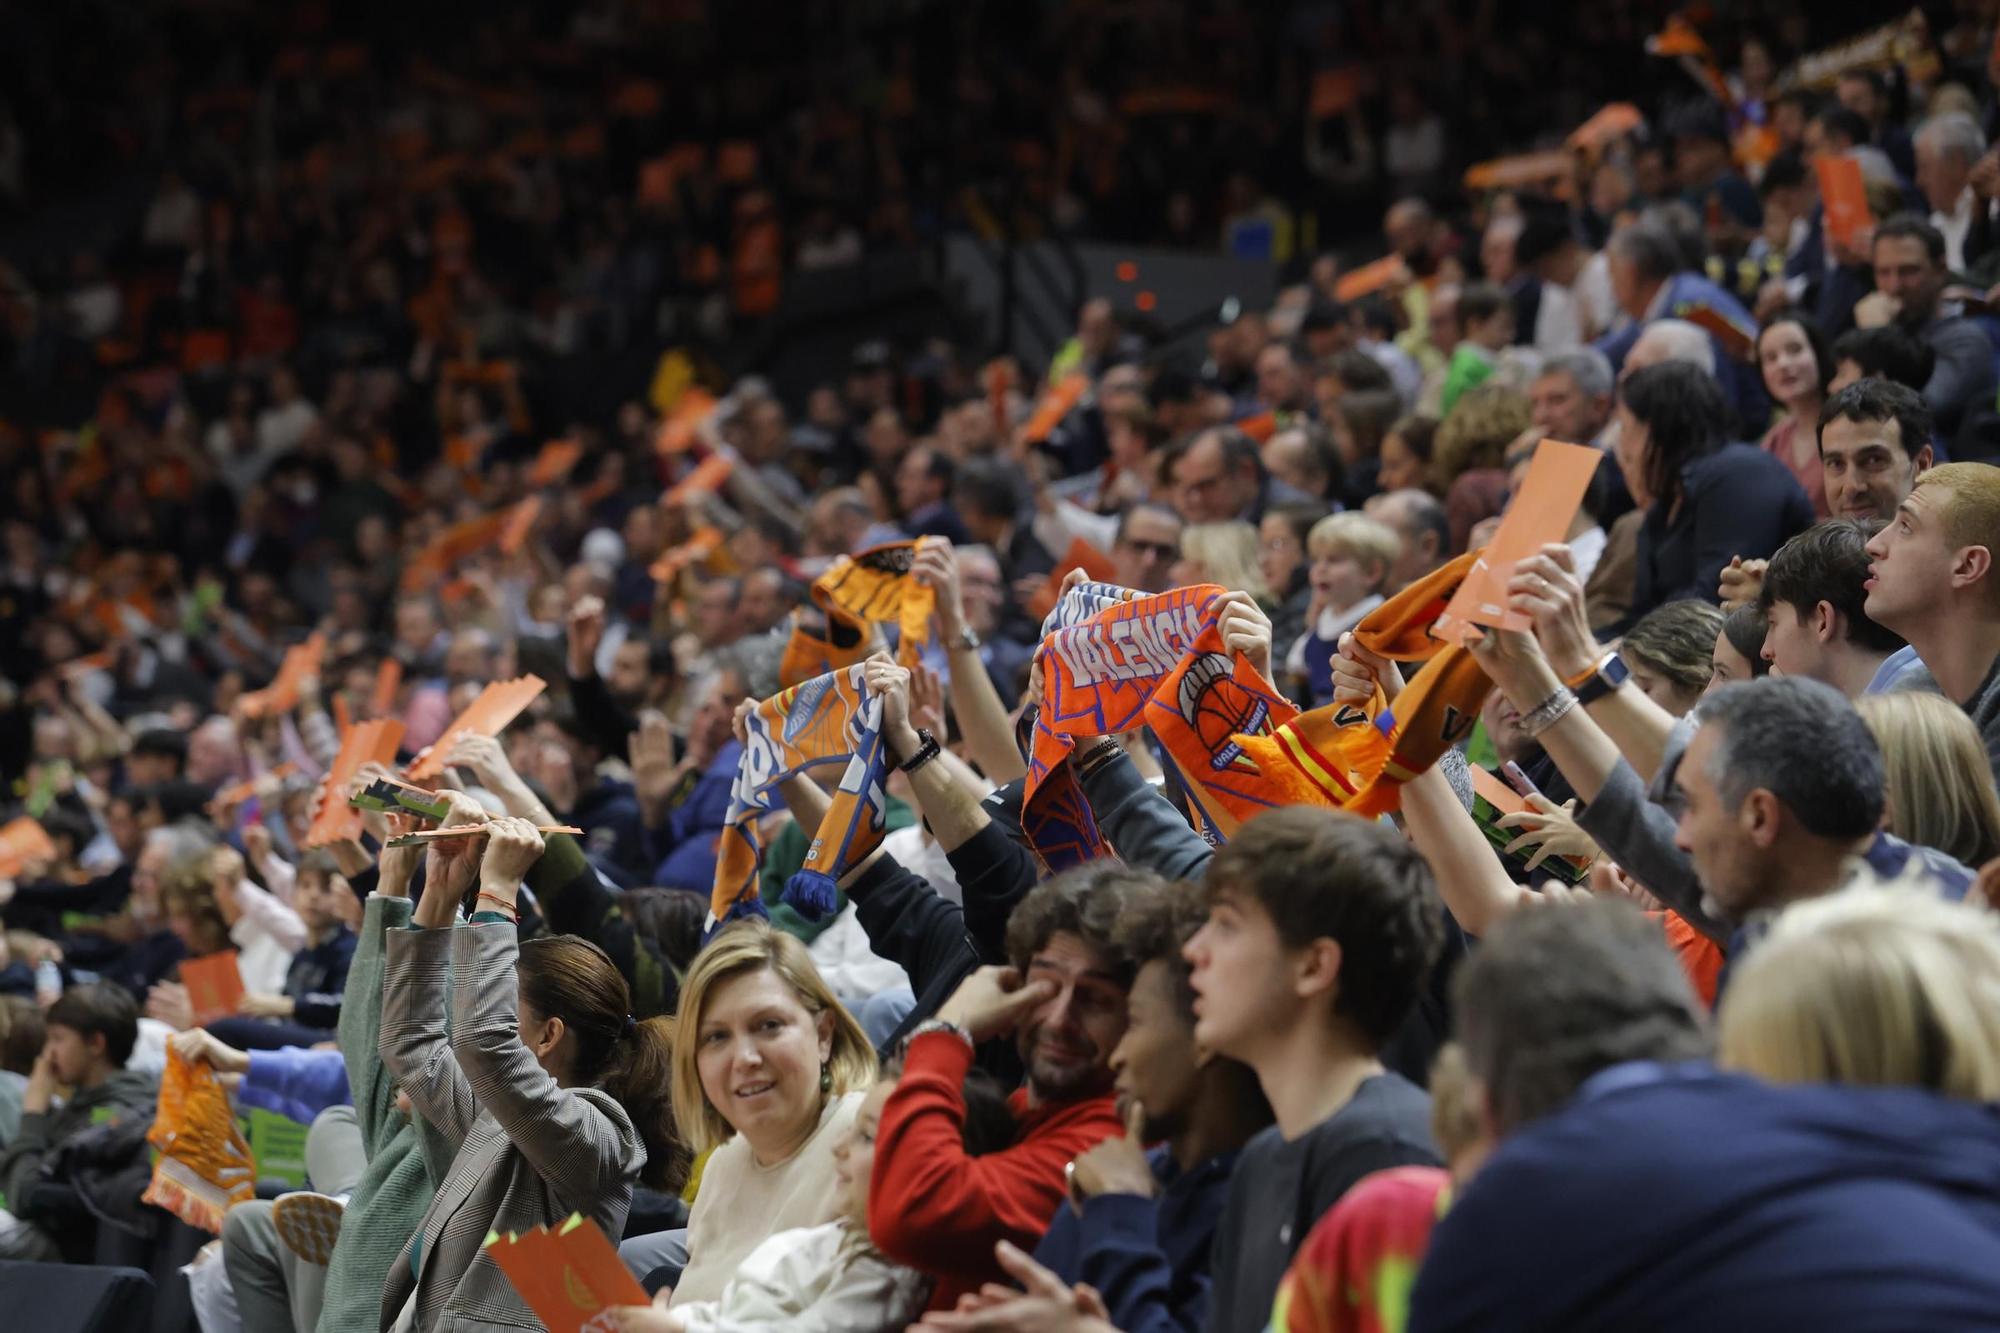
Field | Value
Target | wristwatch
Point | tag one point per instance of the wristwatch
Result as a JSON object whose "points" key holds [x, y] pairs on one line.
{"points": [[1606, 674], [939, 1025], [927, 750], [967, 641]]}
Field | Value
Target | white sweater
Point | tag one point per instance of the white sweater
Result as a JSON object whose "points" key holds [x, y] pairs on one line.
{"points": [[823, 1279], [742, 1204]]}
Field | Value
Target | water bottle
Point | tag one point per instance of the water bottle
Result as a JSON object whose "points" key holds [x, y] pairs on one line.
{"points": [[48, 983]]}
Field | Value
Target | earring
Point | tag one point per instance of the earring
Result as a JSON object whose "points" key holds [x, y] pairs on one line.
{"points": [[825, 1079]]}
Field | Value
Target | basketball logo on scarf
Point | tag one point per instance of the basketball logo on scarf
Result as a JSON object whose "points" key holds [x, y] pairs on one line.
{"points": [[856, 592], [1155, 661], [830, 719]]}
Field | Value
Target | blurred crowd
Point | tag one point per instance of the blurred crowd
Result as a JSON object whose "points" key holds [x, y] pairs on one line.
{"points": [[407, 382]]}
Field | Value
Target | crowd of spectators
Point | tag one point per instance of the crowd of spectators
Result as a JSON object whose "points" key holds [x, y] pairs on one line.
{"points": [[1697, 1032]]}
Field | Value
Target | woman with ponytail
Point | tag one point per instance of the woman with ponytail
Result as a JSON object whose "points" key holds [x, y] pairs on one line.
{"points": [[546, 1097]]}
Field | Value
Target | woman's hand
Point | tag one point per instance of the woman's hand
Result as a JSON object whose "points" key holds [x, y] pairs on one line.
{"points": [[200, 1045], [168, 1003], [398, 865], [1513, 661], [1551, 829], [936, 567], [1544, 587], [512, 848], [449, 863]]}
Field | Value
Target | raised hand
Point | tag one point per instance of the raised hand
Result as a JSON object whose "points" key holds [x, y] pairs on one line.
{"points": [[1245, 629], [1545, 588], [936, 567], [992, 1000], [586, 631]]}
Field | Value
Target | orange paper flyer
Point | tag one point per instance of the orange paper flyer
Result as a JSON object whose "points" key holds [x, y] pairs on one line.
{"points": [[1539, 514], [214, 986]]}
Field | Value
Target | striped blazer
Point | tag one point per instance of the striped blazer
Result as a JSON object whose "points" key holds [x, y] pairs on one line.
{"points": [[528, 1152]]}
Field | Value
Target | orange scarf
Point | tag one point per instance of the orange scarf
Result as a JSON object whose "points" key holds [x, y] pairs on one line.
{"points": [[1358, 759], [204, 1167], [1111, 666], [876, 586]]}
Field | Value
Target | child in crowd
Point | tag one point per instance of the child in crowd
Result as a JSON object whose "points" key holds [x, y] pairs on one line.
{"points": [[1351, 555]]}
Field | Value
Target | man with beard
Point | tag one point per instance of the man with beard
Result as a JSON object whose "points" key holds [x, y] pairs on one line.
{"points": [[932, 1205], [1141, 1223]]}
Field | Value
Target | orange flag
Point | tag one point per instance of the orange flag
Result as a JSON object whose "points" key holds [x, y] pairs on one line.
{"points": [[388, 680], [554, 462], [1081, 555], [300, 662], [1845, 197], [520, 521], [335, 820], [204, 1166], [1055, 404], [214, 986], [488, 715], [22, 843], [1369, 278], [705, 479], [432, 565], [1540, 513]]}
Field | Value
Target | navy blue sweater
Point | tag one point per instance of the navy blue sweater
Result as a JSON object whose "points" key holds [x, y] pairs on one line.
{"points": [[1148, 1258], [317, 979], [1682, 1198]]}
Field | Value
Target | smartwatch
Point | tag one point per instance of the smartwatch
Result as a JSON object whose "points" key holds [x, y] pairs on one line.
{"points": [[1604, 676], [927, 750]]}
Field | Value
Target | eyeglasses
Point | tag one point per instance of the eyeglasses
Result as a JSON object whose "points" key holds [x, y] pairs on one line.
{"points": [[1160, 550]]}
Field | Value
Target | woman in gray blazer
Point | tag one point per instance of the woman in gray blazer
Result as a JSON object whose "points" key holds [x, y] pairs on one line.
{"points": [[547, 1098]]}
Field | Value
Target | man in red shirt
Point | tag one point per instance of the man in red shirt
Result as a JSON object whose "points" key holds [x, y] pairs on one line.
{"points": [[933, 1206]]}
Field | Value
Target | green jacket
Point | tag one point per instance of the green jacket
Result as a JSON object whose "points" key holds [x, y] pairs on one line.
{"points": [[397, 1187]]}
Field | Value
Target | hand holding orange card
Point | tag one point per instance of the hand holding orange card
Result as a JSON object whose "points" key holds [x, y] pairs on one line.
{"points": [[568, 1276], [214, 986], [1054, 405], [1540, 513], [1845, 197]]}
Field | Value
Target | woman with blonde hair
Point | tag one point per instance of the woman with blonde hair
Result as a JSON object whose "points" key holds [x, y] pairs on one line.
{"points": [[1224, 553], [769, 1071], [1936, 777], [1872, 985]]}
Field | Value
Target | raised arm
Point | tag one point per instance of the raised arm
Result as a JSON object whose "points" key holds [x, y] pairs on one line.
{"points": [[981, 715], [574, 1145], [360, 1027], [412, 1040], [1545, 588]]}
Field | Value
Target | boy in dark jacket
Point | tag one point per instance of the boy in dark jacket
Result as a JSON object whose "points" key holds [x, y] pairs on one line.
{"points": [[91, 1031]]}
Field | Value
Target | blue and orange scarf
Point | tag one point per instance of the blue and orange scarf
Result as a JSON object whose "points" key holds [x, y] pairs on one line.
{"points": [[1114, 662], [830, 719]]}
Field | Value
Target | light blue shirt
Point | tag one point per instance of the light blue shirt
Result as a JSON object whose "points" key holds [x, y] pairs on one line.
{"points": [[1892, 668]]}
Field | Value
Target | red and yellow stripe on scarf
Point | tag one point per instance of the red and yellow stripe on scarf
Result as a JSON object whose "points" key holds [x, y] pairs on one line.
{"points": [[1358, 759], [1152, 661], [830, 719]]}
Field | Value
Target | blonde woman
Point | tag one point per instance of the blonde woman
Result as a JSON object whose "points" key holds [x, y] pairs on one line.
{"points": [[1872, 985], [1937, 780], [1224, 553], [769, 1071]]}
